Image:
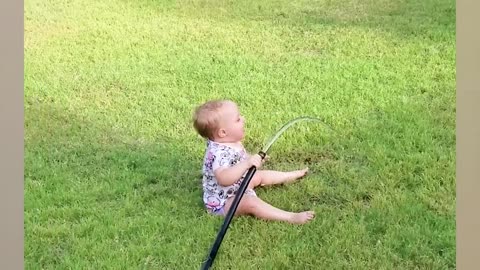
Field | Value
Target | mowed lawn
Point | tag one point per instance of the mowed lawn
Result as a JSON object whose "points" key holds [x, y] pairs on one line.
{"points": [[112, 163]]}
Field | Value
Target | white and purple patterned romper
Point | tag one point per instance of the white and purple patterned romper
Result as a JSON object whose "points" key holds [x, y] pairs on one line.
{"points": [[216, 156]]}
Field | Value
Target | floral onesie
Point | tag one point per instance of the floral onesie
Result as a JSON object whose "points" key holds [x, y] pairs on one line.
{"points": [[216, 156]]}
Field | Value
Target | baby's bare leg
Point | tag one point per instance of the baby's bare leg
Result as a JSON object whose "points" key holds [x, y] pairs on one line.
{"points": [[252, 205], [275, 177]]}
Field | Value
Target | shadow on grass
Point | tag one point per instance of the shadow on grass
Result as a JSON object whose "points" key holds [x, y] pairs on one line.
{"points": [[405, 18], [70, 156], [76, 146], [87, 177]]}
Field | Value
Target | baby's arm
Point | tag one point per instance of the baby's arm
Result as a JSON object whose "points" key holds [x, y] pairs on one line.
{"points": [[228, 176]]}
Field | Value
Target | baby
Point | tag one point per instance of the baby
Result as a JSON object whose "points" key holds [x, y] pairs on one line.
{"points": [[226, 163]]}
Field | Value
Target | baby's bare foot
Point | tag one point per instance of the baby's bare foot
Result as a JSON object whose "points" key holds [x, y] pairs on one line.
{"points": [[302, 217], [301, 173], [295, 175]]}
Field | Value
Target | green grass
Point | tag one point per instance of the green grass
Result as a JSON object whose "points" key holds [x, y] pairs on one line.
{"points": [[112, 163]]}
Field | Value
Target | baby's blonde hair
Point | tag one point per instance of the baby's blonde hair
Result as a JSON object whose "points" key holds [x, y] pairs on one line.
{"points": [[206, 118]]}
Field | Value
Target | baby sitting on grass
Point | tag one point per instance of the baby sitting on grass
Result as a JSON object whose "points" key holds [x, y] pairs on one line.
{"points": [[226, 163]]}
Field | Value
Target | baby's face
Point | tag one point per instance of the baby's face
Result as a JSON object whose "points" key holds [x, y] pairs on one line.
{"points": [[232, 122]]}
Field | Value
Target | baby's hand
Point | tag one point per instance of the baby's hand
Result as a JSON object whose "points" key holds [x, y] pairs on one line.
{"points": [[256, 160]]}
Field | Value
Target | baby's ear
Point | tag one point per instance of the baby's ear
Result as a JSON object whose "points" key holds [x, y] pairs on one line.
{"points": [[221, 133]]}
